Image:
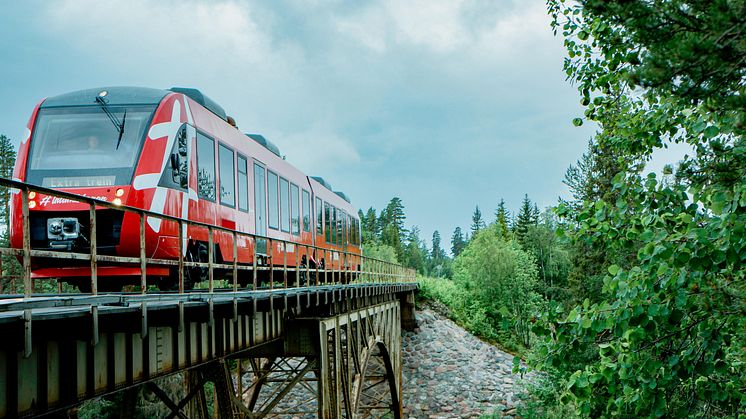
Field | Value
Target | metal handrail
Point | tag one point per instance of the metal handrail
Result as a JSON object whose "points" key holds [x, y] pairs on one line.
{"points": [[375, 270]]}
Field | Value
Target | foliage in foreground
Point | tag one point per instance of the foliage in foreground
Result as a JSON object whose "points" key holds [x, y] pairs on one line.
{"points": [[668, 336]]}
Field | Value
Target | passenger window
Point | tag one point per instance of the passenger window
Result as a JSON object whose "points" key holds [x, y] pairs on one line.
{"points": [[306, 211], [176, 173], [243, 184], [274, 214], [227, 176], [335, 231], [260, 200], [284, 205], [348, 238], [205, 167], [341, 227], [319, 217], [295, 209], [328, 222]]}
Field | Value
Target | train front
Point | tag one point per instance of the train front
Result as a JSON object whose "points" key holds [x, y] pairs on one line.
{"points": [[86, 143]]}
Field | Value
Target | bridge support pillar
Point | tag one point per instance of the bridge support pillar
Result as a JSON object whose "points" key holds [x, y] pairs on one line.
{"points": [[408, 320], [348, 365]]}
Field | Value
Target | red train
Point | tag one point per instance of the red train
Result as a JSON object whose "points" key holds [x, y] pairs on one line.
{"points": [[173, 152]]}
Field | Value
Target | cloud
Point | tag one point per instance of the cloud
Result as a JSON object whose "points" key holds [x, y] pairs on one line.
{"points": [[435, 24], [448, 104], [167, 30]]}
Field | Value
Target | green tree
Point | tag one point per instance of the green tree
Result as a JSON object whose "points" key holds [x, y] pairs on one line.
{"points": [[502, 218], [669, 337], [7, 161], [10, 266], [502, 279], [413, 254], [370, 226], [381, 251], [526, 217], [438, 261], [458, 243], [391, 223], [477, 223], [552, 258]]}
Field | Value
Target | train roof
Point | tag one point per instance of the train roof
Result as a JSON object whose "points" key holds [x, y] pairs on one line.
{"points": [[128, 95], [116, 95]]}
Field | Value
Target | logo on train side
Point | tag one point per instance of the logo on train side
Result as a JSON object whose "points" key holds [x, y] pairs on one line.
{"points": [[56, 200]]}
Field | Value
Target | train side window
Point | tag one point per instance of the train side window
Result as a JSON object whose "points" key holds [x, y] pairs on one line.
{"points": [[274, 214], [294, 209], [205, 167], [342, 217], [335, 231], [176, 173], [227, 176], [328, 224], [306, 211], [284, 205], [354, 231], [243, 184], [319, 217], [260, 200], [348, 229]]}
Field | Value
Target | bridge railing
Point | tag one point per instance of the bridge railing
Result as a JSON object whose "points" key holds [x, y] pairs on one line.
{"points": [[351, 268]]}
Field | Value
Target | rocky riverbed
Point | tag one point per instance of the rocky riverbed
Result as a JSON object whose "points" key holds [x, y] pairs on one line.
{"points": [[449, 373]]}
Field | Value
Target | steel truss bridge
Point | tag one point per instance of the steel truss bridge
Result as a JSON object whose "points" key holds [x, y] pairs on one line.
{"points": [[330, 348]]}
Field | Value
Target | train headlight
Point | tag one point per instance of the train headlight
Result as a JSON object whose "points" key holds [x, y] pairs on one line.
{"points": [[117, 201], [119, 192], [31, 195], [32, 204]]}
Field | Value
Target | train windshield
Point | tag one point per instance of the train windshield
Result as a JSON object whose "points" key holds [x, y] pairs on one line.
{"points": [[80, 147]]}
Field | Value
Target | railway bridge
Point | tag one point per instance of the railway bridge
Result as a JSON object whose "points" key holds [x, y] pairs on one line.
{"points": [[321, 342]]}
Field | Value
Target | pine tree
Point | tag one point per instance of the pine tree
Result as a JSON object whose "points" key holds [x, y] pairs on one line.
{"points": [[458, 243], [524, 220], [414, 257], [7, 161], [437, 253], [370, 227], [477, 223], [502, 217], [391, 222]]}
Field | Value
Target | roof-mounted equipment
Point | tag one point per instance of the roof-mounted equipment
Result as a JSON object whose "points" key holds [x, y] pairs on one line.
{"points": [[343, 196], [269, 145], [203, 100]]}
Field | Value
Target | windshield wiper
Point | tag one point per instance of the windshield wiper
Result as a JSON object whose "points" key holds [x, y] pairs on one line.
{"points": [[113, 118], [121, 129]]}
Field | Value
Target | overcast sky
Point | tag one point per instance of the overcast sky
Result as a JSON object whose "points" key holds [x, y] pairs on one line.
{"points": [[446, 104]]}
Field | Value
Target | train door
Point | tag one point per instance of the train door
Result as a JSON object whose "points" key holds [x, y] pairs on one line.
{"points": [[260, 202], [206, 210]]}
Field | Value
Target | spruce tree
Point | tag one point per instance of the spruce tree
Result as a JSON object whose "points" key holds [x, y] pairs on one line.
{"points": [[502, 217], [458, 243], [392, 228], [414, 257], [524, 220], [477, 223], [437, 252], [7, 161]]}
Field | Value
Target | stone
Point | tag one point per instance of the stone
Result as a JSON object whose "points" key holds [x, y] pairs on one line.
{"points": [[450, 373]]}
